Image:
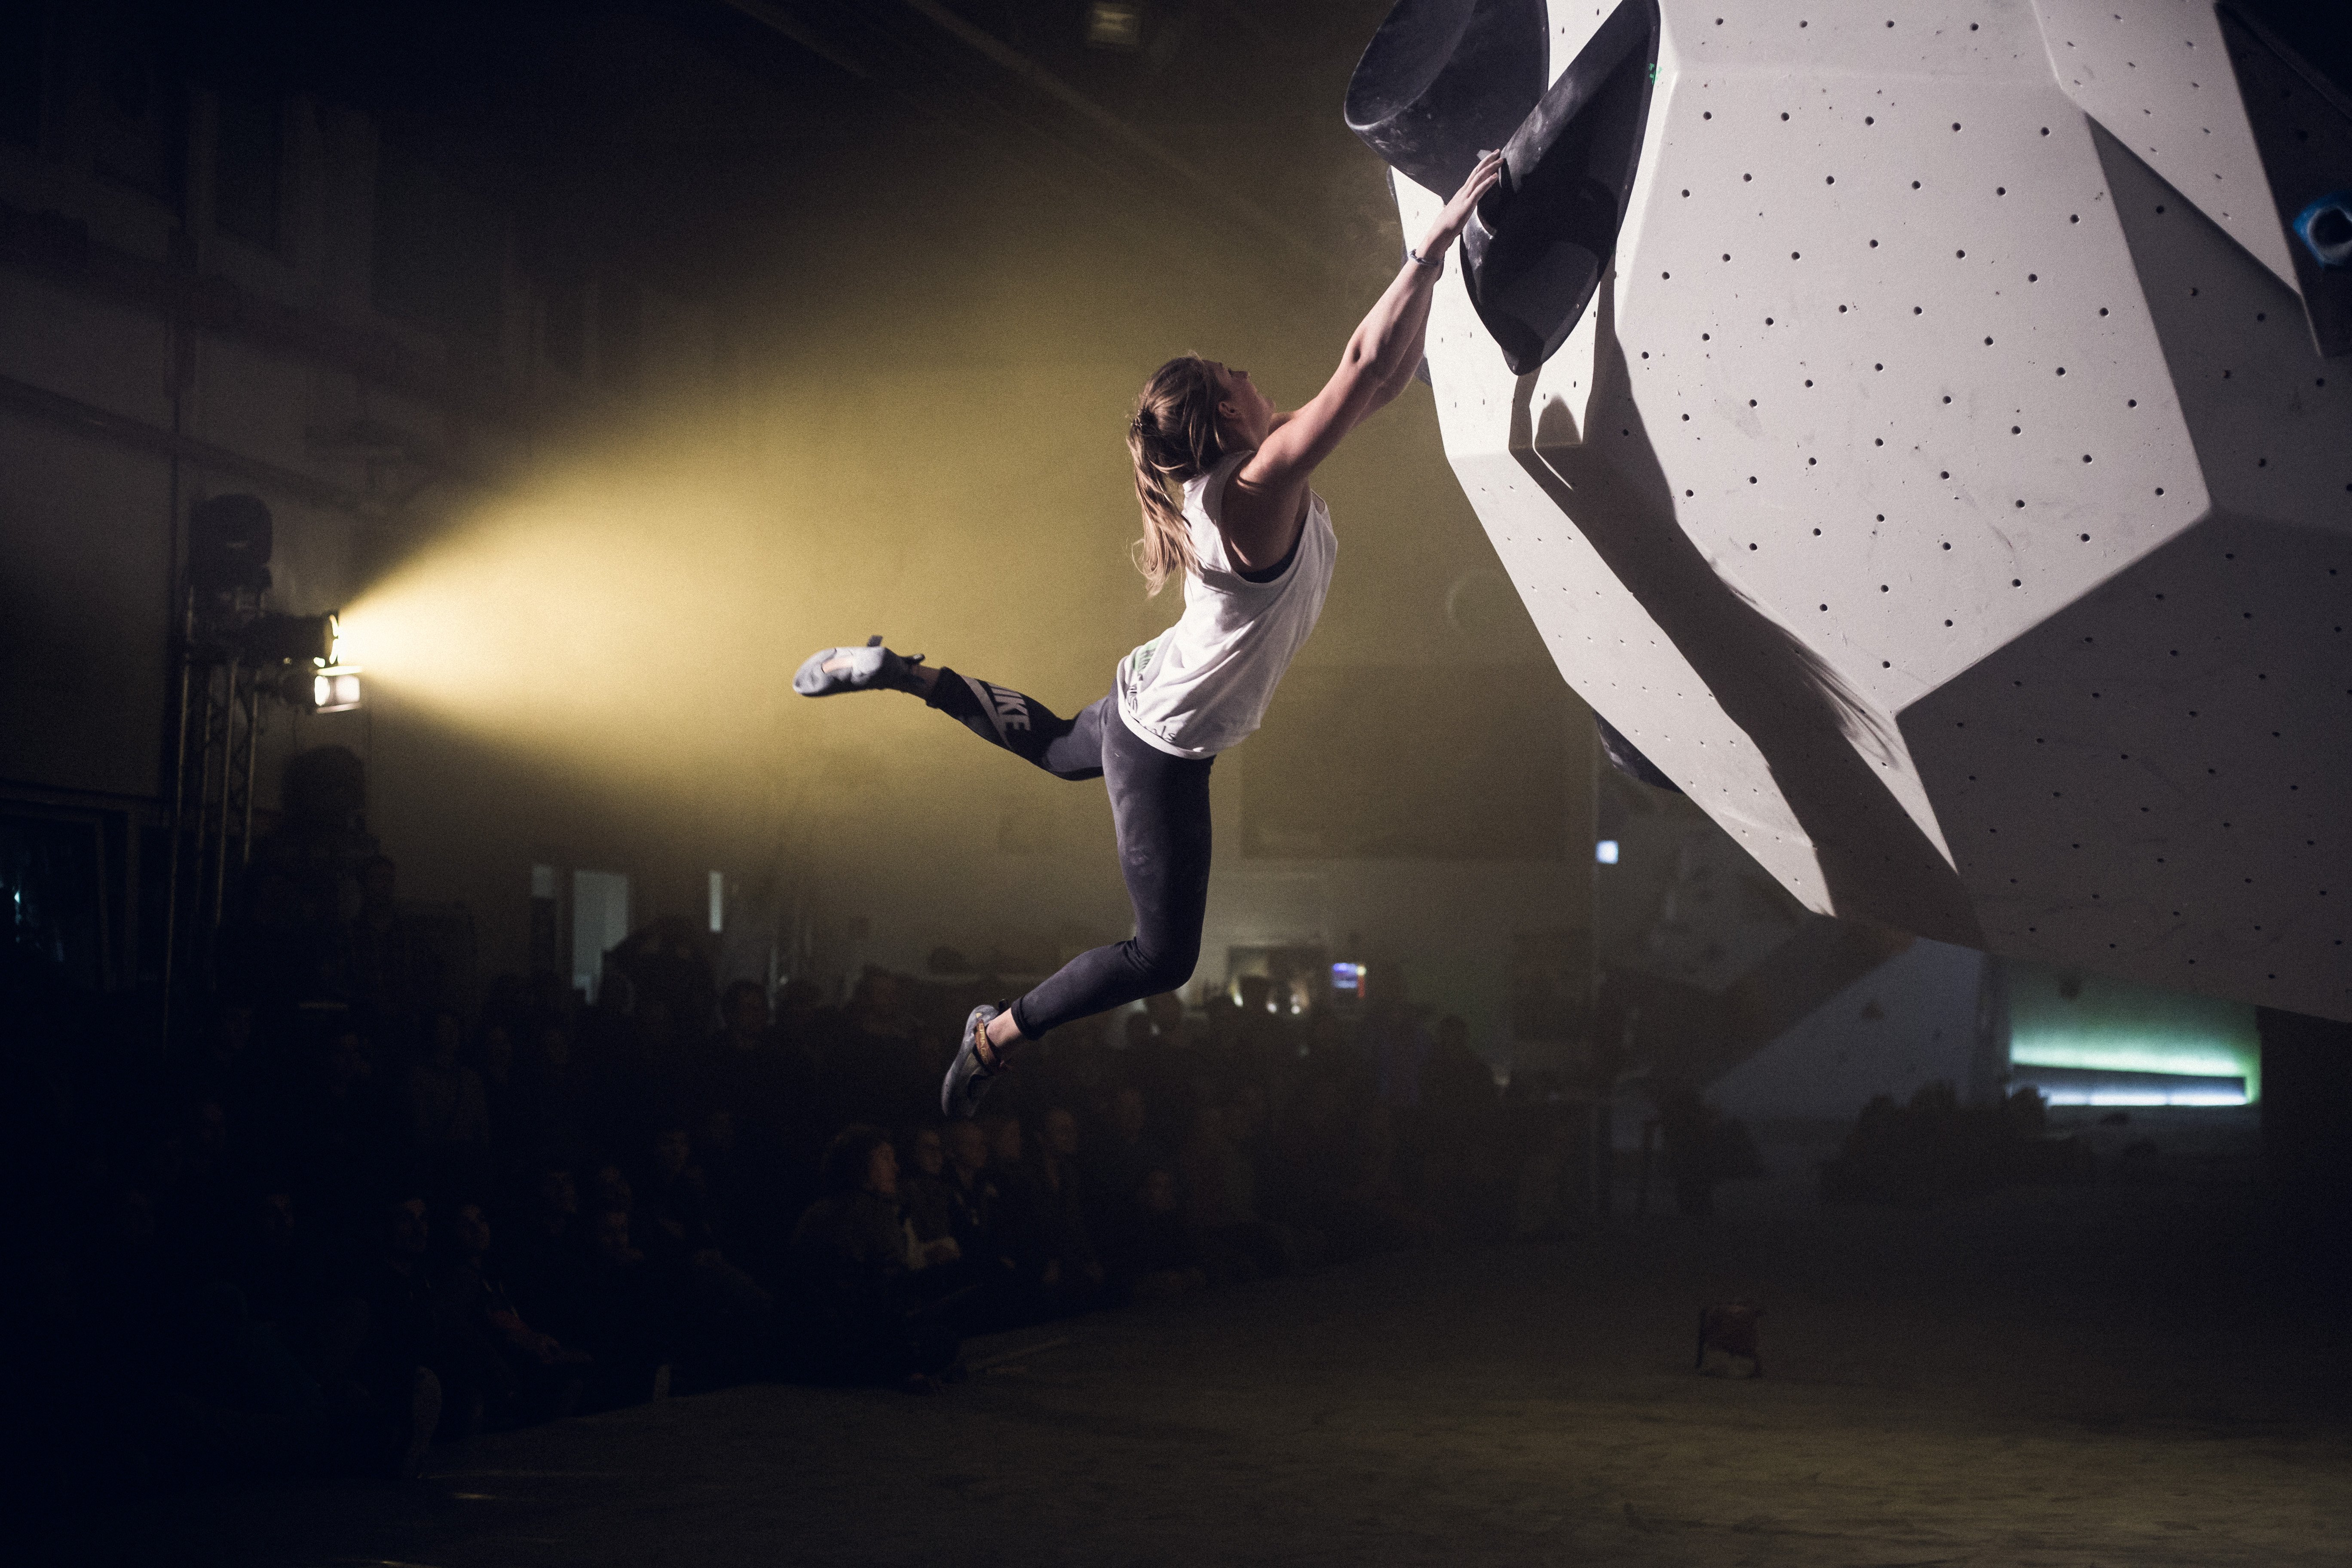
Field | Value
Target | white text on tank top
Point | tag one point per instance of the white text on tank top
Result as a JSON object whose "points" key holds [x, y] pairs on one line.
{"points": [[1204, 683]]}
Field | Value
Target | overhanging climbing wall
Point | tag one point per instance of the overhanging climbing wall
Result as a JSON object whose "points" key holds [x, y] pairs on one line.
{"points": [[1956, 506]]}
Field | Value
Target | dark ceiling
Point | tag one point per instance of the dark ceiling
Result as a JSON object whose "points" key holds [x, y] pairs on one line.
{"points": [[673, 131]]}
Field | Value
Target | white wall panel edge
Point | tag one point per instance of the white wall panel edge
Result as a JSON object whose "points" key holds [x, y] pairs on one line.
{"points": [[2156, 74]]}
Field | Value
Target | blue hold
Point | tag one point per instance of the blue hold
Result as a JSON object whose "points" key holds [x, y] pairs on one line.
{"points": [[2325, 229]]}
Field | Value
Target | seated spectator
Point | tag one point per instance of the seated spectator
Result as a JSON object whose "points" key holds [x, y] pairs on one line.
{"points": [[386, 957], [285, 948], [1118, 1158], [724, 1313], [654, 1071], [1329, 1052], [1072, 1274], [736, 1192], [447, 1111], [737, 1065], [861, 1322], [1220, 1206], [199, 1198], [1163, 1048], [873, 1063], [1396, 1042], [411, 1324], [1242, 1122], [1051, 1268], [636, 1298], [668, 962], [307, 1335], [1149, 1254], [1456, 1084], [267, 1260], [224, 1068], [548, 1117], [548, 1253], [1019, 1221], [1262, 1038], [973, 1193], [338, 1132], [621, 1316], [743, 1018], [1464, 1175], [494, 1063], [1309, 1180], [609, 1191], [923, 1194], [1376, 1192], [999, 1266], [674, 1215], [802, 1025], [547, 1379]]}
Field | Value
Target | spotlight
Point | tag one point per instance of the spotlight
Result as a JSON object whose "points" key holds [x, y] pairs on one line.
{"points": [[331, 688], [1115, 25], [334, 689], [306, 639]]}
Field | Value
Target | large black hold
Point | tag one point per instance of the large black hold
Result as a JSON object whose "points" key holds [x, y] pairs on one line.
{"points": [[1445, 80], [1540, 240]]}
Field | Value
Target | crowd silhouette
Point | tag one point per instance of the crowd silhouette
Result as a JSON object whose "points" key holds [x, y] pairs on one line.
{"points": [[344, 1215]]}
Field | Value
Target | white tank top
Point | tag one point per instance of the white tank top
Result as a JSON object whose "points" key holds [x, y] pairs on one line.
{"points": [[1204, 683]]}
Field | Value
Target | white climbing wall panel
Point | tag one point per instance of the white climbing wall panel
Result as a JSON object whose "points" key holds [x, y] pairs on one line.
{"points": [[1951, 505], [2155, 74]]}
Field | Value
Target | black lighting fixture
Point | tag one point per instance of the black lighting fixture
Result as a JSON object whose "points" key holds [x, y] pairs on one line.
{"points": [[230, 539], [321, 688], [272, 638], [316, 680]]}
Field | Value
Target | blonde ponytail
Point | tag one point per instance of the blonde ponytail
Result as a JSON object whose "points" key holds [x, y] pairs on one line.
{"points": [[1172, 438]]}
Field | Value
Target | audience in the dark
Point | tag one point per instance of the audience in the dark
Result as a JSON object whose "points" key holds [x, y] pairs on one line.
{"points": [[854, 1257], [349, 1212]]}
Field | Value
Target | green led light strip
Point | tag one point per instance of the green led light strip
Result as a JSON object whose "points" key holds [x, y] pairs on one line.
{"points": [[2092, 1023]]}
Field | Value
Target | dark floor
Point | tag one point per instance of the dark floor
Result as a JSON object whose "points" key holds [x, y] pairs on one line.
{"points": [[2124, 1374]]}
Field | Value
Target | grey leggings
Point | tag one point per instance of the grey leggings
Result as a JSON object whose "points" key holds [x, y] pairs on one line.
{"points": [[1159, 808]]}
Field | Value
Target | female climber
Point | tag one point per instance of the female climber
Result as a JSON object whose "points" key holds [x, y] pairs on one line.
{"points": [[1255, 547]]}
